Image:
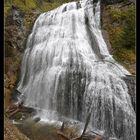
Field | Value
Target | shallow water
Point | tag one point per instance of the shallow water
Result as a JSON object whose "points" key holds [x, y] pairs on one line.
{"points": [[45, 130]]}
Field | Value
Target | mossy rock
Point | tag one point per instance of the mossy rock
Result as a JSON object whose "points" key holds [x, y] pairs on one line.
{"points": [[18, 116]]}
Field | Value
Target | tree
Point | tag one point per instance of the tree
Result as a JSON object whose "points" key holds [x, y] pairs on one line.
{"points": [[24, 1], [128, 36]]}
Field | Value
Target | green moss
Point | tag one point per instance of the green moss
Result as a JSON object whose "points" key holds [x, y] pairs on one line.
{"points": [[18, 116], [126, 56], [6, 10], [50, 6], [5, 114]]}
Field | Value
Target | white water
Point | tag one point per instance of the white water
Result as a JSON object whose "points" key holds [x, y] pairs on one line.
{"points": [[67, 68]]}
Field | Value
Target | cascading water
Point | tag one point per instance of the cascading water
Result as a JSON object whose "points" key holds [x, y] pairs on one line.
{"points": [[67, 68]]}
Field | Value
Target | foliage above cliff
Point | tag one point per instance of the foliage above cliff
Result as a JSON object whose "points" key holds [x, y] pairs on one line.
{"points": [[125, 18], [28, 5], [119, 21]]}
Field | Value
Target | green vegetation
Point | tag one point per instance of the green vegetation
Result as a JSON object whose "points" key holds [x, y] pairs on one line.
{"points": [[121, 29], [28, 5], [126, 29], [18, 116], [129, 29]]}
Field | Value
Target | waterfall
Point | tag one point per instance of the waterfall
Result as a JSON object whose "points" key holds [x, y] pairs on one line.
{"points": [[67, 69]]}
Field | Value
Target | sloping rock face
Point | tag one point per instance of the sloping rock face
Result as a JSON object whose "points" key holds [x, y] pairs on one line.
{"points": [[111, 1], [11, 132], [14, 44]]}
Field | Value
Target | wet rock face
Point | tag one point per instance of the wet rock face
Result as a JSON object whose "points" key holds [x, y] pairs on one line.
{"points": [[111, 1], [116, 1], [131, 84], [67, 70], [106, 38], [14, 45]]}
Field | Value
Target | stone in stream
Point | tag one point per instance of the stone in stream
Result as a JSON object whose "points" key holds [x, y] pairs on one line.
{"points": [[37, 119]]}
